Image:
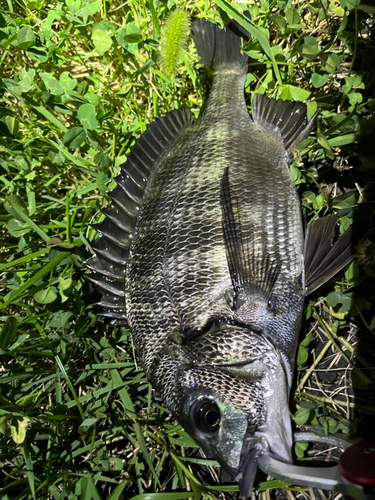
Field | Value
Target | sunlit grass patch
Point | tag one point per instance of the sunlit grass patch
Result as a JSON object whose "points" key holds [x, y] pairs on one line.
{"points": [[79, 82]]}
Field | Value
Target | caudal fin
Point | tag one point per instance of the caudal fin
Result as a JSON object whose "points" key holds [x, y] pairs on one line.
{"points": [[217, 46]]}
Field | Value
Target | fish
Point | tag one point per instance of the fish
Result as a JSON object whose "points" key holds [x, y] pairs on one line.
{"points": [[203, 255]]}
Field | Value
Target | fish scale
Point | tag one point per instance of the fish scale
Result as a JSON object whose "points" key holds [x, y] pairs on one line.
{"points": [[202, 254], [267, 194]]}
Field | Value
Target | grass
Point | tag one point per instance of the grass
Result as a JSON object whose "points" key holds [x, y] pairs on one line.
{"points": [[79, 81]]}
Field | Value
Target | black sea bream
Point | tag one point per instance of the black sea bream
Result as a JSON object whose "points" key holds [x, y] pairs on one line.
{"points": [[203, 254]]}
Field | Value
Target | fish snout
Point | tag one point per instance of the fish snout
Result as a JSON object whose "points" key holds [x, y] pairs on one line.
{"points": [[273, 438], [252, 448], [278, 447]]}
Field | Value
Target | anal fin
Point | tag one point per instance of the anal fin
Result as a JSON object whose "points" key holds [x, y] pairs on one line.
{"points": [[285, 117]]}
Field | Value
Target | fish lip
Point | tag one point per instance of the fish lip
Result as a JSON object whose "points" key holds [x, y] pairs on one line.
{"points": [[273, 437], [248, 469], [252, 449]]}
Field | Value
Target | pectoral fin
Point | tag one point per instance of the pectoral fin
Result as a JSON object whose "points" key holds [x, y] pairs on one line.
{"points": [[322, 259], [250, 267]]}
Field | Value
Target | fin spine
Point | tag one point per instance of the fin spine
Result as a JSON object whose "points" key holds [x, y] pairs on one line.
{"points": [[109, 236], [129, 187], [105, 285], [112, 258], [124, 203], [123, 227], [108, 265], [322, 259], [288, 118], [107, 249]]}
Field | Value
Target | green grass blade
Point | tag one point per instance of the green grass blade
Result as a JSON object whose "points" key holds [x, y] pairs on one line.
{"points": [[8, 332], [37, 276], [116, 494], [29, 469], [155, 18], [50, 117], [21, 260], [163, 496], [77, 162], [118, 384], [71, 387], [128, 404], [88, 489], [32, 224]]}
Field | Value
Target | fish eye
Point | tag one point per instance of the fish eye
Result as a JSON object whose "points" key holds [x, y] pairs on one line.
{"points": [[205, 415]]}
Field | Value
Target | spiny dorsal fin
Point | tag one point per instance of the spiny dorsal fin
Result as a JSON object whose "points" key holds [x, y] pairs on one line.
{"points": [[108, 265], [252, 270], [287, 117], [322, 259]]}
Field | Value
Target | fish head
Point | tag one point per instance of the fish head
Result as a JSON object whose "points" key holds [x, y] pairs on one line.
{"points": [[237, 413]]}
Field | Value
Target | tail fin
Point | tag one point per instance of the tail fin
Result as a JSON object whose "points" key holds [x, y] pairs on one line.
{"points": [[217, 46]]}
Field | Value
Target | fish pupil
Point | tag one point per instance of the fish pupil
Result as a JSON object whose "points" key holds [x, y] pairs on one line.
{"points": [[212, 418], [205, 415]]}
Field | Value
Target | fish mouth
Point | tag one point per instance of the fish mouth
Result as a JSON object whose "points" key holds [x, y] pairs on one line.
{"points": [[274, 438], [252, 449], [247, 469]]}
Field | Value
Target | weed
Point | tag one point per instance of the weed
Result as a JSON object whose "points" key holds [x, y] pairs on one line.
{"points": [[79, 81]]}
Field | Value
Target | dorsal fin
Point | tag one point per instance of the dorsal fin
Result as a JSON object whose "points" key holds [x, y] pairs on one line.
{"points": [[287, 117], [252, 270], [108, 265], [322, 259]]}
